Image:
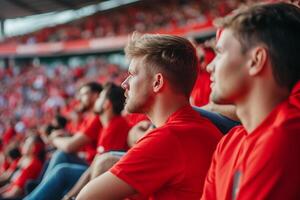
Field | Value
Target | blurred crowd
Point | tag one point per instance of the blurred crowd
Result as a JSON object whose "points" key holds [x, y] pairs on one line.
{"points": [[146, 16], [31, 95]]}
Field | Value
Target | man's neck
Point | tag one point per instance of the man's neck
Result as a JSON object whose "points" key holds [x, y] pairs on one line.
{"points": [[256, 107], [164, 107], [106, 117]]}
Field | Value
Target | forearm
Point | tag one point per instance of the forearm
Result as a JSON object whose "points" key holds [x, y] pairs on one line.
{"points": [[63, 144], [105, 186], [5, 176], [225, 110], [13, 193]]}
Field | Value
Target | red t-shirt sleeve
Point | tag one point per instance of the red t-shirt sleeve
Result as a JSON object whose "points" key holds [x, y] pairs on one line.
{"points": [[151, 163], [114, 137], [32, 171], [92, 128]]}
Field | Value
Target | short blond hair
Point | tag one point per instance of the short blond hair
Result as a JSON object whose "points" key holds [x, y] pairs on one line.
{"points": [[171, 55]]}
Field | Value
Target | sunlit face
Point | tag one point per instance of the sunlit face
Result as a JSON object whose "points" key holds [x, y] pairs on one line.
{"points": [[228, 70], [138, 87], [27, 146], [99, 104], [85, 96]]}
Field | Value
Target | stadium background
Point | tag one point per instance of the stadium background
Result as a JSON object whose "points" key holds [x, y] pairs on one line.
{"points": [[39, 71]]}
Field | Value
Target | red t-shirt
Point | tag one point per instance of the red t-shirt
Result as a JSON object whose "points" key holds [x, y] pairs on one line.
{"points": [[114, 135], [91, 129], [31, 171], [134, 118], [171, 162], [202, 90], [262, 165], [8, 135]]}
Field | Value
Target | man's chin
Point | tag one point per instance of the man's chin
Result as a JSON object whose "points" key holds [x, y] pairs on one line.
{"points": [[131, 110], [217, 99], [220, 101]]}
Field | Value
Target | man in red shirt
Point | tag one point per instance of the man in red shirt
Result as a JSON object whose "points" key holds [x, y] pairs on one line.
{"points": [[80, 147], [113, 136], [257, 69], [171, 161]]}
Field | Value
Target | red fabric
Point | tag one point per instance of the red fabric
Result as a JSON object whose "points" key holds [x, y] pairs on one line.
{"points": [[134, 118], [171, 162], [114, 136], [201, 91], [13, 165], [263, 164], [31, 171], [91, 128], [8, 135], [4, 166]]}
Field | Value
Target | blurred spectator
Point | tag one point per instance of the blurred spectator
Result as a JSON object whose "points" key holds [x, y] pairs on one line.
{"points": [[27, 167], [170, 16]]}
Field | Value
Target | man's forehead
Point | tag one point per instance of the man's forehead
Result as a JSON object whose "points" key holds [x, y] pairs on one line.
{"points": [[225, 38], [84, 90], [134, 63]]}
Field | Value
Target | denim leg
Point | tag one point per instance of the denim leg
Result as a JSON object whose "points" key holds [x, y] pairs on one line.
{"points": [[58, 182], [60, 157]]}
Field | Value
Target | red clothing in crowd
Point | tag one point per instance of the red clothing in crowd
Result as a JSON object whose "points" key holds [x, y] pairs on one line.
{"points": [[91, 128], [171, 162], [263, 164], [134, 118], [201, 91], [8, 135], [6, 166], [31, 171], [114, 136]]}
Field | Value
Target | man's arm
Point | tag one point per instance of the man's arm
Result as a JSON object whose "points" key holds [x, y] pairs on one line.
{"points": [[106, 187], [70, 144], [225, 110]]}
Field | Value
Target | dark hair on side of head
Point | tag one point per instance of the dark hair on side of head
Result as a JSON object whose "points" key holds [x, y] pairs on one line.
{"points": [[61, 121], [93, 86], [14, 153], [49, 128], [277, 27], [115, 94], [173, 56]]}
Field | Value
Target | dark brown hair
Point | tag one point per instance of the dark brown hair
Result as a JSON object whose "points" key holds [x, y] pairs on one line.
{"points": [[277, 27]]}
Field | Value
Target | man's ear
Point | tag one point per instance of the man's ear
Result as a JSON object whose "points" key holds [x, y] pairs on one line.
{"points": [[158, 82], [259, 56]]}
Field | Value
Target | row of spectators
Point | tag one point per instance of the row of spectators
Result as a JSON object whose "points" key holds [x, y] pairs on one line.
{"points": [[146, 16], [31, 95], [163, 162], [46, 99]]}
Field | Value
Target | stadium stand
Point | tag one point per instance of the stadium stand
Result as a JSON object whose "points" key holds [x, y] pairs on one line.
{"points": [[41, 72]]}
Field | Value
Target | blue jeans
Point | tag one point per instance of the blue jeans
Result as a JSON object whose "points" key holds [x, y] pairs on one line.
{"points": [[60, 157], [57, 182]]}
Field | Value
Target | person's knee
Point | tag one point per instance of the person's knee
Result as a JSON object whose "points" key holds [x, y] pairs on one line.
{"points": [[61, 169]]}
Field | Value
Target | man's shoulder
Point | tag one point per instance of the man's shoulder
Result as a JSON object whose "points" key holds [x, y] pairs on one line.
{"points": [[232, 139]]}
